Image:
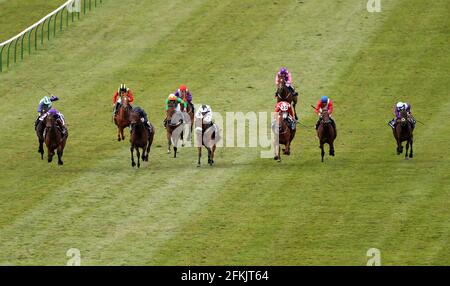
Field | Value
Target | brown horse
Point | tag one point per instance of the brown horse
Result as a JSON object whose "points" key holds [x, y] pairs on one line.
{"points": [[206, 136], [140, 138], [122, 117], [283, 135], [54, 139], [326, 132], [174, 126], [404, 132], [284, 94]]}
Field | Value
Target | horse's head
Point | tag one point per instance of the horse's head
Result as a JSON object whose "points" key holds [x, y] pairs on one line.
{"points": [[125, 100], [325, 117], [171, 109], [49, 121], [283, 92], [403, 117]]}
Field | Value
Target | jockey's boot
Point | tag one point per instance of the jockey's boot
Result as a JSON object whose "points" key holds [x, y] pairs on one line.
{"points": [[392, 123], [165, 123], [36, 123], [317, 124]]}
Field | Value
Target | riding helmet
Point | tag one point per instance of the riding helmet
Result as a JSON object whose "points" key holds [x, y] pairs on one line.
{"points": [[324, 99], [182, 87]]}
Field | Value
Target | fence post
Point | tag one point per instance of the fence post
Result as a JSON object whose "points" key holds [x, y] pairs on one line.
{"points": [[15, 49], [90, 4], [29, 41], [35, 37], [49, 22], [61, 21], [7, 55], [21, 47], [42, 33], [84, 6], [54, 25], [1, 58]]}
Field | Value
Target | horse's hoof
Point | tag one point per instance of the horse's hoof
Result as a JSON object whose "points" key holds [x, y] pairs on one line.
{"points": [[61, 163], [411, 156], [406, 158], [198, 165], [133, 164]]}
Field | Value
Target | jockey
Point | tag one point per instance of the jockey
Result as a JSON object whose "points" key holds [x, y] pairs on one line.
{"points": [[44, 106], [285, 75], [324, 102], [144, 118], [284, 106], [398, 108], [59, 120], [182, 93], [173, 98], [117, 99], [205, 113]]}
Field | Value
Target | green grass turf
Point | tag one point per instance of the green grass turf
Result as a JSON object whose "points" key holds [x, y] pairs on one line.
{"points": [[245, 210]]}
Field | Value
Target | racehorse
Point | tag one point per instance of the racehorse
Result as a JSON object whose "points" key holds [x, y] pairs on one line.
{"points": [[284, 94], [404, 132], [326, 132], [122, 117], [140, 138], [174, 126], [54, 139], [283, 135], [190, 112], [206, 136]]}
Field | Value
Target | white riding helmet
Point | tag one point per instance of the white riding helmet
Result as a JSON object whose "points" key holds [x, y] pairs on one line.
{"points": [[46, 100], [205, 109], [400, 105], [284, 106]]}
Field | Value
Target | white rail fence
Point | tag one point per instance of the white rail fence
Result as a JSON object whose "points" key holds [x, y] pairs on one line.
{"points": [[43, 29]]}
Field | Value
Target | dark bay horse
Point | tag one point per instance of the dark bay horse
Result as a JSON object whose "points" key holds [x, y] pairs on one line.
{"points": [[122, 117], [284, 94], [174, 127], [404, 132], [140, 139], [283, 135], [54, 139], [206, 136], [326, 132]]}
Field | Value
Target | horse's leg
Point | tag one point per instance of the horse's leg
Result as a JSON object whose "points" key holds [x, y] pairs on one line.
{"points": [[199, 156], [182, 139], [322, 151], [331, 148], [209, 156], [411, 155], [169, 142], [118, 134], [50, 155], [138, 155], [175, 151], [407, 149], [41, 148], [121, 133], [133, 164], [212, 153], [60, 154]]}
